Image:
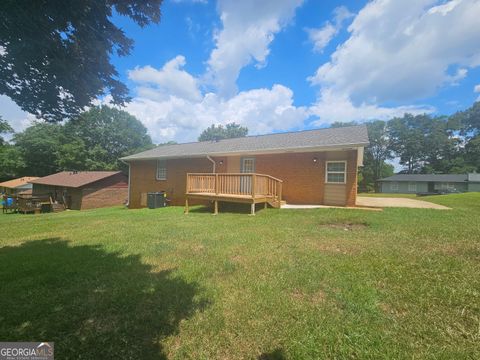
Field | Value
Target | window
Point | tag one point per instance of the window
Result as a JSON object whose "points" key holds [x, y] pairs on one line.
{"points": [[394, 186], [336, 172], [444, 186], [161, 170], [412, 187]]}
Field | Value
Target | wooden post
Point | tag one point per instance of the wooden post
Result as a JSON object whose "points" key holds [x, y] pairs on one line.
{"points": [[252, 209], [186, 205], [216, 184], [280, 195], [253, 185], [266, 205], [215, 209]]}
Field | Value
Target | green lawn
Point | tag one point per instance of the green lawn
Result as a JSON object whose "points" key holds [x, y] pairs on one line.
{"points": [[285, 284]]}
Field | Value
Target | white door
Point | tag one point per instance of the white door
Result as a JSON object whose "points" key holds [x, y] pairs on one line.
{"points": [[247, 165]]}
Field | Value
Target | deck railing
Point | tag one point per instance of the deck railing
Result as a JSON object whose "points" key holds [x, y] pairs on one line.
{"points": [[235, 184]]}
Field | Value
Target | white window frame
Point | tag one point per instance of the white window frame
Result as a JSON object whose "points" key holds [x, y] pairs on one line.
{"points": [[412, 187], [161, 173], [336, 172], [394, 186]]}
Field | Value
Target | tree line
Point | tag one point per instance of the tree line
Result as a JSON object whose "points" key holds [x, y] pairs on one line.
{"points": [[99, 137], [422, 144], [94, 140]]}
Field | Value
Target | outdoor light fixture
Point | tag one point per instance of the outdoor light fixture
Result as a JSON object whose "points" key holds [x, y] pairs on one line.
{"points": [[315, 159], [221, 162]]}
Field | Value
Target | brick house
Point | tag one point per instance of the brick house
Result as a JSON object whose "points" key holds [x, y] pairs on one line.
{"points": [[305, 167], [80, 190]]}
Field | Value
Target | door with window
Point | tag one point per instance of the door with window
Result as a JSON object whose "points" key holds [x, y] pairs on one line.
{"points": [[247, 166]]}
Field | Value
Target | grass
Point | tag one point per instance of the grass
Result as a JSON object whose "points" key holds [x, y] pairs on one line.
{"points": [[285, 284]]}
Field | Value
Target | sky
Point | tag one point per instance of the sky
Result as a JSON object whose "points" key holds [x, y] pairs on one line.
{"points": [[282, 65]]}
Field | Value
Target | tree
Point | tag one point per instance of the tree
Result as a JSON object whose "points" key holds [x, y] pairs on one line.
{"points": [[95, 140], [4, 129], [407, 140], [99, 137], [11, 162], [39, 146], [379, 150], [55, 55], [339, 124], [215, 133], [469, 119]]}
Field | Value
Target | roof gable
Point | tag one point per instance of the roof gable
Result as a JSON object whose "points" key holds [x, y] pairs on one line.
{"points": [[74, 179], [14, 183], [291, 141]]}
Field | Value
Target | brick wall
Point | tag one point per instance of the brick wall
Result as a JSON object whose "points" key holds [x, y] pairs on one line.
{"points": [[303, 178], [111, 191], [143, 179]]}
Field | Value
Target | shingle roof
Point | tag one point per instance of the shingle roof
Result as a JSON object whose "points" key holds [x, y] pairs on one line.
{"points": [[428, 177], [74, 179], [331, 137], [14, 183]]}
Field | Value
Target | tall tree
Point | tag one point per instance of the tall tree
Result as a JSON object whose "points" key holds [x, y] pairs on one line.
{"points": [[5, 128], [231, 130], [379, 151], [98, 138], [469, 119], [55, 55], [39, 146], [407, 140]]}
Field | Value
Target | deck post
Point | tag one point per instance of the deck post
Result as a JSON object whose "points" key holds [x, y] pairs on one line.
{"points": [[253, 185], [280, 195], [186, 205], [252, 209], [265, 206], [216, 184], [215, 207]]}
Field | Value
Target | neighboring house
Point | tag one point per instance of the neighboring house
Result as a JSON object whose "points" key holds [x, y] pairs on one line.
{"points": [[425, 183], [305, 167], [79, 190], [16, 186]]}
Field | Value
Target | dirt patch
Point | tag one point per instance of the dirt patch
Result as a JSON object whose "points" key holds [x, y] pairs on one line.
{"points": [[344, 226], [387, 309], [335, 249], [398, 202], [315, 299]]}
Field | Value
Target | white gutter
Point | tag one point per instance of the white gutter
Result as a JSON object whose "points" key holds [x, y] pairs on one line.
{"points": [[213, 162], [128, 197]]}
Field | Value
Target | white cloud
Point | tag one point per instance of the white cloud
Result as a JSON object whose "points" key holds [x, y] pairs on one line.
{"points": [[399, 51], [171, 80], [18, 119], [180, 119], [321, 37], [476, 88], [249, 26], [331, 107]]}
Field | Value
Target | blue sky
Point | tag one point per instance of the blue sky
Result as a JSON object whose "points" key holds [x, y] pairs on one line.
{"points": [[278, 65]]}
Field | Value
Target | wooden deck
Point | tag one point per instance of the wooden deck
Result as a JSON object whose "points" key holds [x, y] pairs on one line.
{"points": [[232, 187]]}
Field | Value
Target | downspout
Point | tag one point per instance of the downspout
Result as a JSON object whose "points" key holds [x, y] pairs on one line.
{"points": [[213, 162], [128, 195]]}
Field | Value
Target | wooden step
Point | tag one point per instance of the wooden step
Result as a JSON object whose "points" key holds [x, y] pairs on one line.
{"points": [[58, 207]]}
